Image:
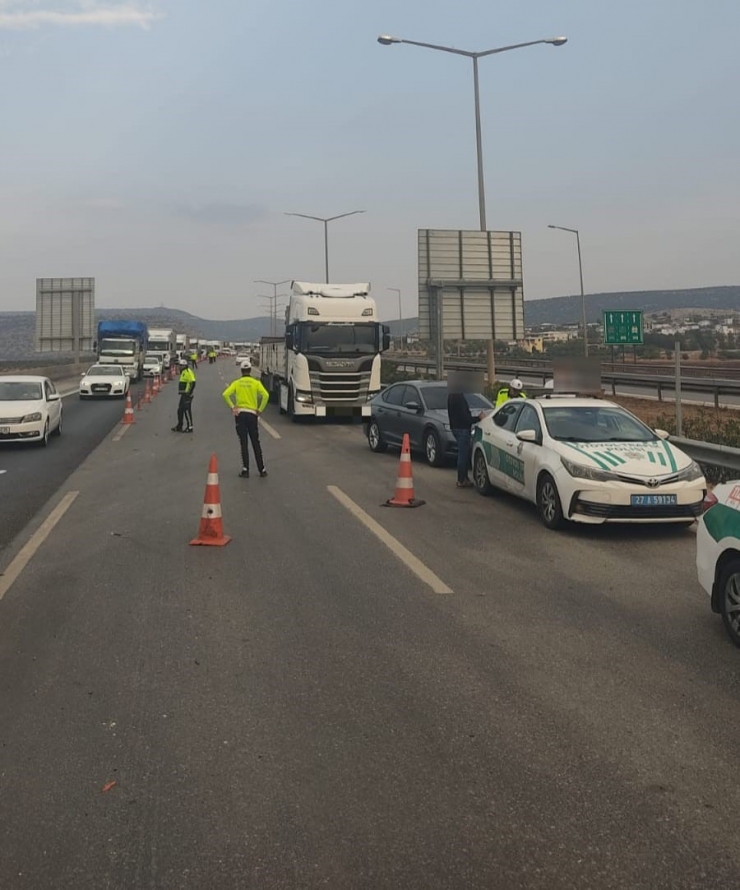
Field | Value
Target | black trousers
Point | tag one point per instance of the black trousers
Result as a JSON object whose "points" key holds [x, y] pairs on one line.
{"points": [[185, 411], [247, 427]]}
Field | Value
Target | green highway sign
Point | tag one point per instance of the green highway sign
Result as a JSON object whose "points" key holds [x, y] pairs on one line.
{"points": [[623, 328]]}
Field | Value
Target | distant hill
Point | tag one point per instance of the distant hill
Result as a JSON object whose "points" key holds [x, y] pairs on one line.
{"points": [[567, 310]]}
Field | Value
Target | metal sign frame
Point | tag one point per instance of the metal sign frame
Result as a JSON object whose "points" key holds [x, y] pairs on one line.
{"points": [[65, 315], [470, 286], [623, 327]]}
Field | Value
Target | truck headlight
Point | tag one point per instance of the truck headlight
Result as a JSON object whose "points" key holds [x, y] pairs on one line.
{"points": [[31, 418], [304, 397], [579, 471]]}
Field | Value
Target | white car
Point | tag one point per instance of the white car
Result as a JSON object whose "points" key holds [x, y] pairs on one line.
{"points": [[243, 356], [104, 381], [152, 366], [718, 554], [585, 460], [30, 410]]}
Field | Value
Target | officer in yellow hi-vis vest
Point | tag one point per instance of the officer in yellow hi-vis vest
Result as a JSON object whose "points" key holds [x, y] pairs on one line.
{"points": [[248, 398], [515, 390], [185, 407]]}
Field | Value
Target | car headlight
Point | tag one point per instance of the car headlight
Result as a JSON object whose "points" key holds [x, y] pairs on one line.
{"points": [[31, 418], [691, 473], [579, 471]]}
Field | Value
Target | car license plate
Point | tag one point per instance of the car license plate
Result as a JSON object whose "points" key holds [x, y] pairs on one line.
{"points": [[654, 500], [4, 430]]}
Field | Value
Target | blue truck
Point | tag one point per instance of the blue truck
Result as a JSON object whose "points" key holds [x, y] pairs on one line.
{"points": [[123, 343]]}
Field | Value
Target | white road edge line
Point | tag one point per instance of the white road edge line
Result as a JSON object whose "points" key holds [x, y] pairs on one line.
{"points": [[10, 575], [393, 544], [270, 429], [121, 433]]}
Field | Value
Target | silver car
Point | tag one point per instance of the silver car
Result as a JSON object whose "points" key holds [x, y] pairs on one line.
{"points": [[419, 408]]}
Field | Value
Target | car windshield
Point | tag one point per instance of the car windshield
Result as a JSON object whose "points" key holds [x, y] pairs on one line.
{"points": [[436, 399], [16, 391], [595, 423], [105, 371], [339, 338]]}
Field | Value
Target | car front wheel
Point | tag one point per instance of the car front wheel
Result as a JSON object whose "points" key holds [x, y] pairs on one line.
{"points": [[375, 439], [432, 448], [480, 474], [548, 503], [45, 437], [729, 599]]}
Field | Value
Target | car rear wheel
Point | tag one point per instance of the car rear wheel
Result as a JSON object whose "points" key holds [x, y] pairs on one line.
{"points": [[433, 448], [480, 474], [375, 439], [729, 599], [548, 503]]}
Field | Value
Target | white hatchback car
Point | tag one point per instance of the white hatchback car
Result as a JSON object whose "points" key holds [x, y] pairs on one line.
{"points": [[104, 381], [30, 409], [718, 554], [585, 460]]}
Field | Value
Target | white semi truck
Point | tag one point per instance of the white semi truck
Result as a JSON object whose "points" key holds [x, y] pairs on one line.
{"points": [[328, 362]]}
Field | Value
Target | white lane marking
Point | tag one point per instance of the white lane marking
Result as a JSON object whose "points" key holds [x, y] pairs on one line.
{"points": [[3, 471], [122, 432], [10, 575], [71, 392], [270, 429], [393, 544]]}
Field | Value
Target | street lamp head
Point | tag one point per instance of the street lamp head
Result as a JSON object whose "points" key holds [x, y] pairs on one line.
{"points": [[557, 41], [387, 40]]}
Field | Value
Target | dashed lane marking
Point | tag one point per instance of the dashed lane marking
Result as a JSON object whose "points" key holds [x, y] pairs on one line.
{"points": [[270, 429], [421, 571], [121, 433], [10, 575]]}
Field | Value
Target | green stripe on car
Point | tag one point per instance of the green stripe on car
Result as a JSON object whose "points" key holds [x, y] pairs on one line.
{"points": [[599, 463], [722, 522], [671, 458]]}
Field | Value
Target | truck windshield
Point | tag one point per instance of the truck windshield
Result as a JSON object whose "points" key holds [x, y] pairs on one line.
{"points": [[118, 347], [339, 338], [159, 346]]}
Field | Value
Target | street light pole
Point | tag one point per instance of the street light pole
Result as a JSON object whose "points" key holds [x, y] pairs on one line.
{"points": [[583, 292], [274, 285], [387, 40], [326, 220]]}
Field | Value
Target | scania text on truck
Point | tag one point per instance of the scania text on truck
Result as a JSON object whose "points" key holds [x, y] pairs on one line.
{"points": [[123, 343], [328, 362], [163, 342]]}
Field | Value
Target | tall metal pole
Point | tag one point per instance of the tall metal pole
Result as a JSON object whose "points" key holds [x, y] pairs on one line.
{"points": [[479, 148], [326, 248], [583, 296], [679, 419]]}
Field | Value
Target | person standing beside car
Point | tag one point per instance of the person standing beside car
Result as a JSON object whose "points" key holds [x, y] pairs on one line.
{"points": [[185, 407], [461, 423]]}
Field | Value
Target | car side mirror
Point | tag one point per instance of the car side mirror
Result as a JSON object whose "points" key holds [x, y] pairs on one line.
{"points": [[83, 373], [661, 434], [53, 397], [412, 406], [527, 436]]}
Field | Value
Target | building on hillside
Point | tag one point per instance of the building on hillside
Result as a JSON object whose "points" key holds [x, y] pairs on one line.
{"points": [[532, 343]]}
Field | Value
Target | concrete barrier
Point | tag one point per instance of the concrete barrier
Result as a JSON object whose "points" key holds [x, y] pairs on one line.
{"points": [[53, 372]]}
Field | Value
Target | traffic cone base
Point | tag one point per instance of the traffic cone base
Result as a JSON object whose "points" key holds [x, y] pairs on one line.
{"points": [[128, 412], [404, 496], [147, 394], [211, 530]]}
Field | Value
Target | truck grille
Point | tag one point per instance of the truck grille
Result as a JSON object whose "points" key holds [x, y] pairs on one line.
{"points": [[340, 387]]}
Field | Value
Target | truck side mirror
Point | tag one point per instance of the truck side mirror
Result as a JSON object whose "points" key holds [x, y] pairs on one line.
{"points": [[386, 338], [289, 340]]}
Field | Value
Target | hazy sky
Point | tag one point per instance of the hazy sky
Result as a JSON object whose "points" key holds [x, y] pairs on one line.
{"points": [[157, 145]]}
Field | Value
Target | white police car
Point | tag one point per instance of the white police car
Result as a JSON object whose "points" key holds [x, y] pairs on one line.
{"points": [[585, 460], [718, 554]]}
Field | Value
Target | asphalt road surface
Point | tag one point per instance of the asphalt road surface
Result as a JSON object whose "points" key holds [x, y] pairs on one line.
{"points": [[301, 709], [33, 474]]}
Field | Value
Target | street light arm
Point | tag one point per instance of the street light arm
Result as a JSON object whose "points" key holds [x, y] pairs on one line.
{"points": [[342, 215], [504, 49], [444, 49], [564, 229], [306, 216]]}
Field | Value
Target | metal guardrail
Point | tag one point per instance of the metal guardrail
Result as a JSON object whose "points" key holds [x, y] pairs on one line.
{"points": [[715, 387], [722, 456]]}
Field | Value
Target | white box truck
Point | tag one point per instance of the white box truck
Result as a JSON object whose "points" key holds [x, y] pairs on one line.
{"points": [[163, 343], [328, 362]]}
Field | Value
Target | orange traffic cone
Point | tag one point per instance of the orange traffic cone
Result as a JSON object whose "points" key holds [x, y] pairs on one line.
{"points": [[128, 412], [155, 386], [404, 496], [211, 531], [147, 394]]}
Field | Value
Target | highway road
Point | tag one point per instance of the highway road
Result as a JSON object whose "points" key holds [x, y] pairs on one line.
{"points": [[306, 708], [32, 474]]}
